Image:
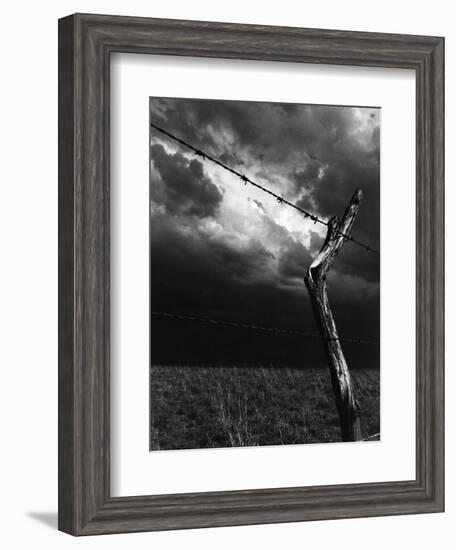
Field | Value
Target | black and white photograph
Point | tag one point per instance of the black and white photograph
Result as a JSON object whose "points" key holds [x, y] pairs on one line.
{"points": [[223, 289], [264, 273]]}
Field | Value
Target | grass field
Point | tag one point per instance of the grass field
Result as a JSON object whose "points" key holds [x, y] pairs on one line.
{"points": [[203, 407]]}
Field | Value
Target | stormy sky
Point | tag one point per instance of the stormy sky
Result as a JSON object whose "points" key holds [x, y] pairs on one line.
{"points": [[220, 249]]}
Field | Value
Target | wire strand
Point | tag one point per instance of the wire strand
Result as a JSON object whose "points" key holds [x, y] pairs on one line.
{"points": [[246, 180], [276, 330]]}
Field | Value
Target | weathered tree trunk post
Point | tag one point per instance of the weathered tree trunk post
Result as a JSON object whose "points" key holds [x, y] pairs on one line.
{"points": [[315, 279]]}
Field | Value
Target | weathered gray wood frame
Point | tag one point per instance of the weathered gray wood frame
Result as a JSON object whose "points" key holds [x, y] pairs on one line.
{"points": [[85, 45]]}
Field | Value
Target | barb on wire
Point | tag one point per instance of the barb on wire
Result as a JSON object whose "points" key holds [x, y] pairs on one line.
{"points": [[232, 324], [247, 180]]}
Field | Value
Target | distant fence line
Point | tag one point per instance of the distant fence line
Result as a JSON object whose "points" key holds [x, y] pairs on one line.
{"points": [[275, 330]]}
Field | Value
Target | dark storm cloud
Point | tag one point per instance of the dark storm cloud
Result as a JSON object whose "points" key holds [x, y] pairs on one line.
{"points": [[272, 132], [184, 188], [195, 276], [329, 194], [315, 156], [307, 177], [265, 131], [314, 146], [294, 261]]}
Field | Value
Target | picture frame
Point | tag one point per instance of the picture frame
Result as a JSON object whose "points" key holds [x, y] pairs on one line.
{"points": [[85, 45]]}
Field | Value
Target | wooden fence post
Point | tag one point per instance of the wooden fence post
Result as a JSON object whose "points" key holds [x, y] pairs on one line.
{"points": [[315, 280]]}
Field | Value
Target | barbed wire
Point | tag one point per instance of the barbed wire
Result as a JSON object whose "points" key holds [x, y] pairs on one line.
{"points": [[372, 437], [276, 330], [246, 180]]}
